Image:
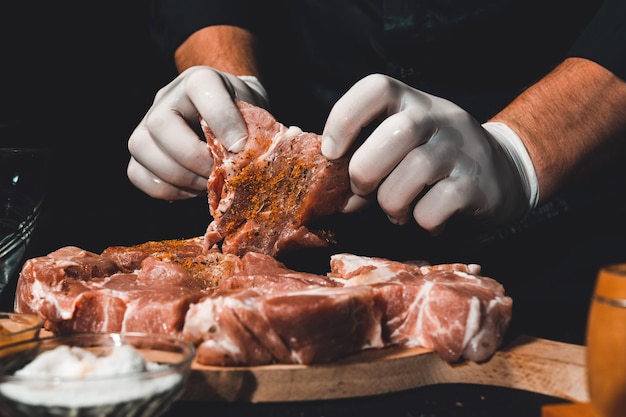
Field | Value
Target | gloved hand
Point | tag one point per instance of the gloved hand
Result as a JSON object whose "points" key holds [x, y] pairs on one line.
{"points": [[428, 156], [169, 158]]}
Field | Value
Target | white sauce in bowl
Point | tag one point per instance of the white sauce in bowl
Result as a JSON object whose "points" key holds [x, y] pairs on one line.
{"points": [[75, 377]]}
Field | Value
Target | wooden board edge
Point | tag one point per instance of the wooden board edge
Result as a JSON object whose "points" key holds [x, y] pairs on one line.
{"points": [[530, 364]]}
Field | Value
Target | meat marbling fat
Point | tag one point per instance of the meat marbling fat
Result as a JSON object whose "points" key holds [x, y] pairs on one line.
{"points": [[228, 294]]}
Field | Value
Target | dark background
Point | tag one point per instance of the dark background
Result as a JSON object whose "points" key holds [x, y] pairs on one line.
{"points": [[78, 76]]}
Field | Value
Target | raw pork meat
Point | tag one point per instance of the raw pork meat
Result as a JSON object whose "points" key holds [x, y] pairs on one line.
{"points": [[313, 325], [253, 310], [265, 274], [145, 288], [449, 308], [205, 267], [263, 198]]}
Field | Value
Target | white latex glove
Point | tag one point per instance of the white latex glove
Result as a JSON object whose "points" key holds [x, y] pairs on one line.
{"points": [[169, 157], [428, 157]]}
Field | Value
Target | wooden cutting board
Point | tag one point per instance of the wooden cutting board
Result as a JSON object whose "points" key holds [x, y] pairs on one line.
{"points": [[531, 364]]}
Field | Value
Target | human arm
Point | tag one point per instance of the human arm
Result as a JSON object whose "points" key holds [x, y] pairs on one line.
{"points": [[169, 159], [227, 48], [571, 121]]}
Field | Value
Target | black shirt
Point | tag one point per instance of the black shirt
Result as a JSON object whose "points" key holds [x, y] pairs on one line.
{"points": [[479, 54]]}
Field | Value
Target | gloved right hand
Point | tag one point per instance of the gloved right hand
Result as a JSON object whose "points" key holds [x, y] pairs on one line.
{"points": [[169, 160], [428, 157]]}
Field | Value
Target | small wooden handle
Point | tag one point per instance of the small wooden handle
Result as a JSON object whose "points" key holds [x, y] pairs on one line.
{"points": [[567, 410]]}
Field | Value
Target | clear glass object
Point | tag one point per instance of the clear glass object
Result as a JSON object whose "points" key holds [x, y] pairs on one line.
{"points": [[18, 327], [102, 388], [23, 178]]}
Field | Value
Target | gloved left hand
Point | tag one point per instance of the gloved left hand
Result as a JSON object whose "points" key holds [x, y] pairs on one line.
{"points": [[428, 157]]}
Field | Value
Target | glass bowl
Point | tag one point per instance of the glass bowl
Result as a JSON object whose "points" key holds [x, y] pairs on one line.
{"points": [[94, 374], [23, 182], [18, 327]]}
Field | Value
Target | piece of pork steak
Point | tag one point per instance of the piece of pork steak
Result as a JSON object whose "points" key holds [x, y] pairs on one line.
{"points": [[311, 325], [263, 198], [146, 288], [449, 308], [205, 267]]}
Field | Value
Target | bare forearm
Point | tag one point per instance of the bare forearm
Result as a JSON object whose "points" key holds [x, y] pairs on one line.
{"points": [[226, 48], [571, 121]]}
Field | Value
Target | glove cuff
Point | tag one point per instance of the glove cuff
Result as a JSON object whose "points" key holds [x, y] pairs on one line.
{"points": [[254, 83], [514, 146]]}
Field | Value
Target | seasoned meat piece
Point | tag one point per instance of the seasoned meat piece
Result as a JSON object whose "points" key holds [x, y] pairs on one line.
{"points": [[207, 268], [263, 198], [75, 290], [129, 258]]}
